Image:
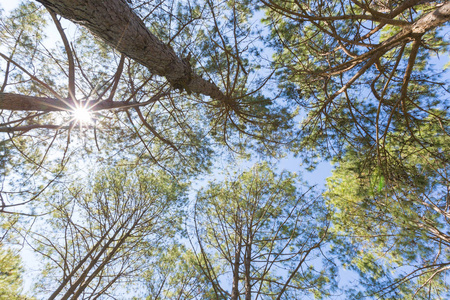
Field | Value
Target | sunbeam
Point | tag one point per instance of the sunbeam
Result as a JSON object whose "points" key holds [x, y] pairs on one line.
{"points": [[82, 115]]}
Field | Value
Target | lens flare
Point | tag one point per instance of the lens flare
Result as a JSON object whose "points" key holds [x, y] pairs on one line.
{"points": [[82, 115]]}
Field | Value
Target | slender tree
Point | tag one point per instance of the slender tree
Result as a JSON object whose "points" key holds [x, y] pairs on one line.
{"points": [[258, 236], [98, 234]]}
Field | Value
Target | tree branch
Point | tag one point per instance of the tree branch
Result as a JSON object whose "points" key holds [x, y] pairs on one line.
{"points": [[31, 127], [16, 102], [70, 59]]}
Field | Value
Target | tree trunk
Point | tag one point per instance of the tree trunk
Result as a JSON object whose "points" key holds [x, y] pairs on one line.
{"points": [[247, 266], [114, 22], [237, 258]]}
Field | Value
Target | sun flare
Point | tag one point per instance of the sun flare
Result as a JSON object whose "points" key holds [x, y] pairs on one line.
{"points": [[82, 115]]}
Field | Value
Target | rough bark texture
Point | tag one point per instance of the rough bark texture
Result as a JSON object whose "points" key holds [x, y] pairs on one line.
{"points": [[10, 101], [247, 267], [432, 20], [114, 22], [236, 264]]}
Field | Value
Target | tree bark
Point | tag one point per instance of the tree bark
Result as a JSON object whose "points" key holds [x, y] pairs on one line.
{"points": [[114, 22], [437, 17], [235, 268], [10, 101], [247, 267]]}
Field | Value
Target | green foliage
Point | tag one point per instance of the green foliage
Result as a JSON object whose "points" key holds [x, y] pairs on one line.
{"points": [[354, 90], [256, 231], [10, 275], [101, 228], [402, 221], [174, 273], [376, 102]]}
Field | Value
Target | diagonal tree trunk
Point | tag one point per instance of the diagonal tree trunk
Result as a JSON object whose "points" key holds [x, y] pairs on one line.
{"points": [[114, 22]]}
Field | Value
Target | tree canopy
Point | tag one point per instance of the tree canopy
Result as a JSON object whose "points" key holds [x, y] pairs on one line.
{"points": [[111, 112], [258, 235]]}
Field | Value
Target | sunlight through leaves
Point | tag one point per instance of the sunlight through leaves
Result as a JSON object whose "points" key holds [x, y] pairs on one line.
{"points": [[82, 115]]}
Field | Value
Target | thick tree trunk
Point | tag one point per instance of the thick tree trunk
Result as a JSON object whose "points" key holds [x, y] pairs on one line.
{"points": [[114, 22]]}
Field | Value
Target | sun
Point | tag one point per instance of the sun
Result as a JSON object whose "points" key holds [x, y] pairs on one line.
{"points": [[82, 115]]}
